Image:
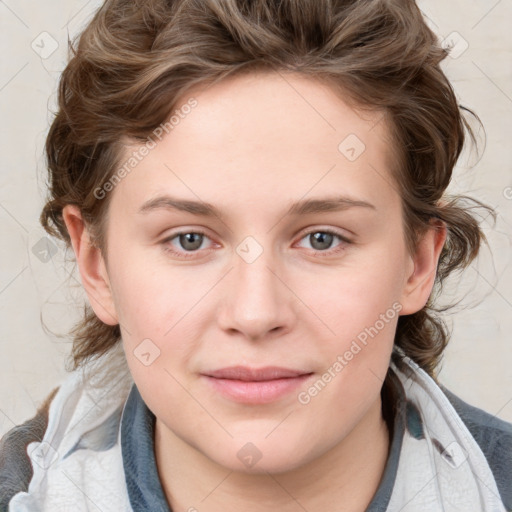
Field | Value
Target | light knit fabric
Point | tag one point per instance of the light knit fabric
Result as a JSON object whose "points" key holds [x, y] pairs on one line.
{"points": [[441, 467], [78, 465]]}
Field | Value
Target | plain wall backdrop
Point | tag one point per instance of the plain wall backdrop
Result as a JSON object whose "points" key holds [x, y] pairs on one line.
{"points": [[38, 279]]}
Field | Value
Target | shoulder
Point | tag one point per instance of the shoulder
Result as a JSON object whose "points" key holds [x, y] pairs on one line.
{"points": [[494, 436], [15, 466]]}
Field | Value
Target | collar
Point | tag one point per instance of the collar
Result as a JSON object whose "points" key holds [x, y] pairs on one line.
{"points": [[137, 447]]}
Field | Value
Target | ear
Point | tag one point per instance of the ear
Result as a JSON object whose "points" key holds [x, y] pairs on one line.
{"points": [[421, 280], [91, 266]]}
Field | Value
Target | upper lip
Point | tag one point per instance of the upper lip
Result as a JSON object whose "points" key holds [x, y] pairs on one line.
{"points": [[255, 374]]}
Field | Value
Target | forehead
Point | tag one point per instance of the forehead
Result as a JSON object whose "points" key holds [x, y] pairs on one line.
{"points": [[264, 135], [283, 107]]}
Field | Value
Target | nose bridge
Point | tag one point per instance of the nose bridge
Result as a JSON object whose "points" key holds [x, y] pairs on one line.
{"points": [[256, 301]]}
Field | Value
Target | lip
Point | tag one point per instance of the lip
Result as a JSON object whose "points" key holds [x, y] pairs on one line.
{"points": [[255, 385]]}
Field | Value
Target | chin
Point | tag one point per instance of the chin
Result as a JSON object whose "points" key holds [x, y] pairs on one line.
{"points": [[261, 457]]}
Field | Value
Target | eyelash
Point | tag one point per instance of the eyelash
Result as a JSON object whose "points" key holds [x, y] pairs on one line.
{"points": [[320, 254]]}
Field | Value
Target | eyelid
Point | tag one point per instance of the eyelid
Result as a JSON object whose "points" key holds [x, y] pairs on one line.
{"points": [[198, 231], [329, 252], [326, 229]]}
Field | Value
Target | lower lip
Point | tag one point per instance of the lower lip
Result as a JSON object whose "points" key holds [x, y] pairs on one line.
{"points": [[256, 392]]}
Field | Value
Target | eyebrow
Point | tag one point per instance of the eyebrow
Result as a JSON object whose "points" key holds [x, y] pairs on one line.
{"points": [[302, 207]]}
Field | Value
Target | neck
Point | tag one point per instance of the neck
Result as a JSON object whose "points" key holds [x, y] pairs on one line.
{"points": [[345, 478]]}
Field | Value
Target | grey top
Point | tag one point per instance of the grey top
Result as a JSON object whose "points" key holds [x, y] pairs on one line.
{"points": [[145, 491]]}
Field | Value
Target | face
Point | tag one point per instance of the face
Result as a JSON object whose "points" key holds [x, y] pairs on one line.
{"points": [[293, 257]]}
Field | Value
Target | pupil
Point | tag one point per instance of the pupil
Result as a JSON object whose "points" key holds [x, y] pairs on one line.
{"points": [[187, 241], [321, 237]]}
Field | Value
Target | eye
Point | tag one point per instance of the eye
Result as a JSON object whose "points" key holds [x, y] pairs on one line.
{"points": [[185, 242], [322, 240]]}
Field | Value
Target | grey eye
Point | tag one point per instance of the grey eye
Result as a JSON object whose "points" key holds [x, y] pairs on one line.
{"points": [[321, 240], [190, 241]]}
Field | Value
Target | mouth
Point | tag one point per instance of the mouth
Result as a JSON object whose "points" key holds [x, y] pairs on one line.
{"points": [[255, 385]]}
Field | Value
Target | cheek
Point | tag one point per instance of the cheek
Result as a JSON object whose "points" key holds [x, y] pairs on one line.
{"points": [[355, 365], [358, 295], [155, 308], [150, 298], [361, 306]]}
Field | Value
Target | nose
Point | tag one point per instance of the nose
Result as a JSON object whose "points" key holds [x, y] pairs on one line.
{"points": [[258, 303]]}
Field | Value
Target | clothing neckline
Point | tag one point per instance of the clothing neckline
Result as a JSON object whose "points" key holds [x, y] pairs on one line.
{"points": [[143, 483], [137, 447]]}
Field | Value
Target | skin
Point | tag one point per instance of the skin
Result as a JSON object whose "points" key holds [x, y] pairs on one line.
{"points": [[252, 146]]}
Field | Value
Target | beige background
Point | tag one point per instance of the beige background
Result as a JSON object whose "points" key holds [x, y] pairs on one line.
{"points": [[35, 283]]}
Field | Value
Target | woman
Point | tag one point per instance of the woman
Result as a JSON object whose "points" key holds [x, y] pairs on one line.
{"points": [[255, 196]]}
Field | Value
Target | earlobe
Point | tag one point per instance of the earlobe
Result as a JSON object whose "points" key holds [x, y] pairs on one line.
{"points": [[420, 282], [91, 266]]}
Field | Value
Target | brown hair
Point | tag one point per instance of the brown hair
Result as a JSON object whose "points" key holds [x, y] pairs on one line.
{"points": [[134, 59]]}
